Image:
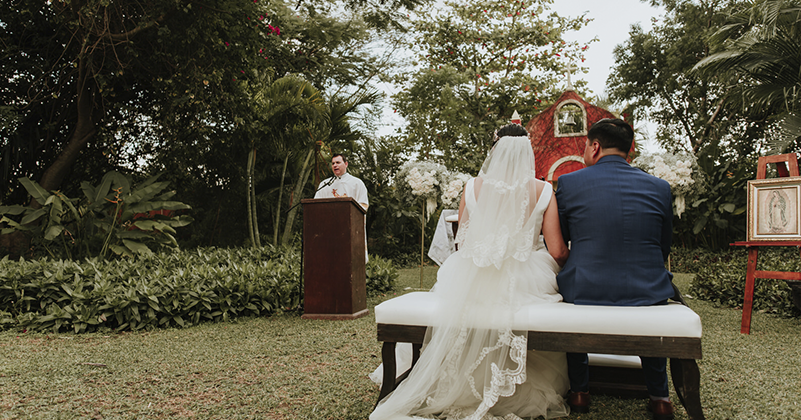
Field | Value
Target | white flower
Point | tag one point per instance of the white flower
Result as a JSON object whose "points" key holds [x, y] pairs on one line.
{"points": [[679, 170], [452, 190], [421, 180]]}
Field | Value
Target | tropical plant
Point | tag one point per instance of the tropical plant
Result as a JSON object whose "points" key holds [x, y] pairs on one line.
{"points": [[112, 218], [283, 106], [334, 130], [758, 50]]}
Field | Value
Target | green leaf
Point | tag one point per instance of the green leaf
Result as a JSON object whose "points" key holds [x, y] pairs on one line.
{"points": [[13, 224], [134, 234], [73, 210], [728, 207], [53, 232], [147, 224], [55, 208], [144, 194], [30, 217], [699, 225], [35, 190], [89, 191], [137, 247], [121, 250], [12, 210], [166, 196], [181, 220], [145, 207]]}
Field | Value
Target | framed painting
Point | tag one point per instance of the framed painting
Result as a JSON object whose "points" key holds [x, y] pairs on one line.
{"points": [[774, 209]]}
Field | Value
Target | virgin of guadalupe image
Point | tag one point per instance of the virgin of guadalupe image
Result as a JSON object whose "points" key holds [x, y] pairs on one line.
{"points": [[777, 212]]}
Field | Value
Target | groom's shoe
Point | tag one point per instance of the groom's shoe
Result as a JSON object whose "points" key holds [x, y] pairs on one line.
{"points": [[662, 410], [579, 402]]}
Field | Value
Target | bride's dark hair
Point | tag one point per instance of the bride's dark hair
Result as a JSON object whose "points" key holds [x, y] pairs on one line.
{"points": [[513, 130]]}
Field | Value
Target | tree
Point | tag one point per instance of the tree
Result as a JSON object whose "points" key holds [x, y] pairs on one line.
{"points": [[75, 72], [758, 48], [148, 85], [476, 64], [654, 76]]}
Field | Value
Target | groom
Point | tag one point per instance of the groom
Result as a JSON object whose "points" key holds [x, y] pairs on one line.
{"points": [[619, 222]]}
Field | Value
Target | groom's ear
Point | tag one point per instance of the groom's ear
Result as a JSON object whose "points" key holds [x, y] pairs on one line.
{"points": [[594, 151]]}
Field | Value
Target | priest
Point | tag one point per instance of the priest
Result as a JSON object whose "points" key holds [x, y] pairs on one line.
{"points": [[343, 184]]}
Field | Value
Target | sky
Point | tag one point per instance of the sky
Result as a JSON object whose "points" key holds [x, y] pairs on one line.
{"points": [[610, 24]]}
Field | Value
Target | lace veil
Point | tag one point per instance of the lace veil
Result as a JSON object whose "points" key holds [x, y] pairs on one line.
{"points": [[504, 207], [471, 358]]}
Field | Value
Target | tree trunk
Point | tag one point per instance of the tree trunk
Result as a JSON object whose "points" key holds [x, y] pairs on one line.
{"points": [[253, 202], [278, 205], [304, 176], [85, 129], [249, 182]]}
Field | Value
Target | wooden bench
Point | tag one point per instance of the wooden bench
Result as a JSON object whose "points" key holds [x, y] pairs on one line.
{"points": [[672, 331]]}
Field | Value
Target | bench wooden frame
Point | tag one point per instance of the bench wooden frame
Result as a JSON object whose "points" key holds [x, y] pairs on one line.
{"points": [[682, 352]]}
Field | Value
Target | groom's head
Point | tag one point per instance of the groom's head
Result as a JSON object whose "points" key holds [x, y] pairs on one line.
{"points": [[608, 137]]}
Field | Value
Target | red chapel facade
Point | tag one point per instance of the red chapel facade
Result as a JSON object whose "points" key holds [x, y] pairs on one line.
{"points": [[559, 133]]}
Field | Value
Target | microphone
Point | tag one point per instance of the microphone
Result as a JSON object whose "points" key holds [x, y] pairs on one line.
{"points": [[327, 183]]}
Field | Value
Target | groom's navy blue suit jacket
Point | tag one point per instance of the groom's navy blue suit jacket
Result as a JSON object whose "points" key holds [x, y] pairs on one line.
{"points": [[619, 221]]}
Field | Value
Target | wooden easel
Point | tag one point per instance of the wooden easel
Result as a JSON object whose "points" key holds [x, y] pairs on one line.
{"points": [[786, 165]]}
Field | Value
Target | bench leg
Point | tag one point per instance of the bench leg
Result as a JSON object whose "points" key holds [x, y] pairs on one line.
{"points": [[687, 381], [388, 359]]}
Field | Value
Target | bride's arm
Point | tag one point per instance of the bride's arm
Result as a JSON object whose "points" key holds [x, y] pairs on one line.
{"points": [[552, 232], [476, 186]]}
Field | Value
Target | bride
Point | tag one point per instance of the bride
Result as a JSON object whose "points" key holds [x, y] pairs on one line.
{"points": [[473, 365]]}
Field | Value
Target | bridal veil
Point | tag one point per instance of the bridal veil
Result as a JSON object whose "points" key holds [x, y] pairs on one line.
{"points": [[472, 362]]}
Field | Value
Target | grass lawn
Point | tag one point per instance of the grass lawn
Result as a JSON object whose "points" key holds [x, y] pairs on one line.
{"points": [[283, 367]]}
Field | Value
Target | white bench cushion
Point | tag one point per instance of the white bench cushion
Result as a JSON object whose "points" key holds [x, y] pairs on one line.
{"points": [[614, 360], [671, 320]]}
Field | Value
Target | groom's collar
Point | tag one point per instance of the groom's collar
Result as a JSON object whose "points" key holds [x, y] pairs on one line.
{"points": [[611, 159]]}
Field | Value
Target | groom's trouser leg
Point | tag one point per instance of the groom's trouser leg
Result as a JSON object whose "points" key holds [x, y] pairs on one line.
{"points": [[656, 380], [578, 372]]}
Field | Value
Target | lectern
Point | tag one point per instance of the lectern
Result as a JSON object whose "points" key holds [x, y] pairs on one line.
{"points": [[333, 259]]}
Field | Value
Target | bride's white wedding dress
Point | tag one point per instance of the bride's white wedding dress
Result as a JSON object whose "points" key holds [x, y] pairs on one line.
{"points": [[473, 366]]}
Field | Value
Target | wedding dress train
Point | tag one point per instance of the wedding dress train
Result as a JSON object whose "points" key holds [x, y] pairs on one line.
{"points": [[472, 365]]}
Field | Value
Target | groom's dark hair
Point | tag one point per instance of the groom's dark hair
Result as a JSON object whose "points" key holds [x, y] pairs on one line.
{"points": [[612, 132]]}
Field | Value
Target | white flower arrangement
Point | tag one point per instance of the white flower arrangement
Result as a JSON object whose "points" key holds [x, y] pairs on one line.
{"points": [[680, 170], [421, 180], [452, 190]]}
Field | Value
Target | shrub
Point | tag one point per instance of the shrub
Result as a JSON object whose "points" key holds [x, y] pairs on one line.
{"points": [[158, 290], [112, 218], [167, 289], [720, 277], [381, 275]]}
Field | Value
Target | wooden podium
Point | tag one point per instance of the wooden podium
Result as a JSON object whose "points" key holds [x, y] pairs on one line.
{"points": [[333, 259]]}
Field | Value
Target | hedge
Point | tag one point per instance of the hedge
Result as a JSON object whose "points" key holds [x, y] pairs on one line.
{"points": [[720, 277], [168, 289]]}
